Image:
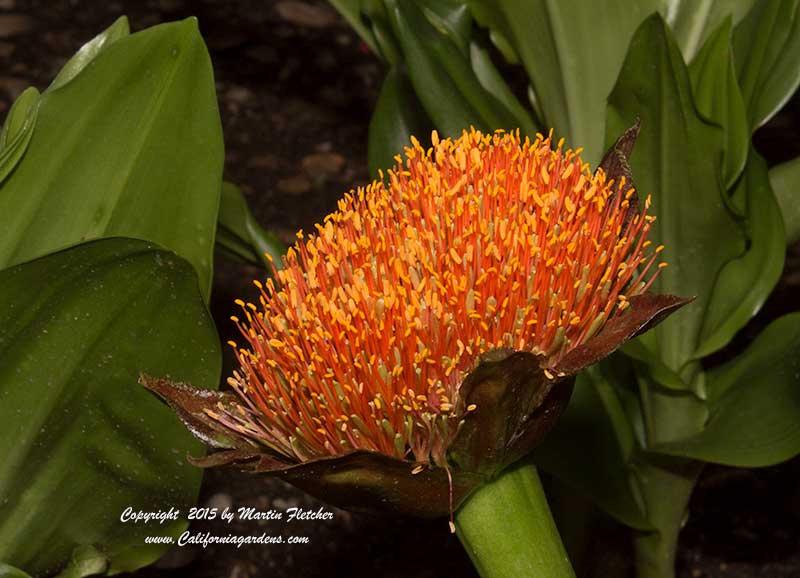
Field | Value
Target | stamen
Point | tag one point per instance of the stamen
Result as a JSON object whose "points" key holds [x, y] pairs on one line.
{"points": [[361, 339]]}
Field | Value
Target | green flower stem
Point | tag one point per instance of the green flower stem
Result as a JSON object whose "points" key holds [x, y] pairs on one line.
{"points": [[666, 483], [508, 531]]}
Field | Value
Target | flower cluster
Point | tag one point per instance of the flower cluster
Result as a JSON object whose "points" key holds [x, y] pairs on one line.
{"points": [[475, 244], [433, 324]]}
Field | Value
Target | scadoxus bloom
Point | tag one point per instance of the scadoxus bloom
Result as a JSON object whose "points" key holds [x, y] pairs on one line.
{"points": [[370, 336]]}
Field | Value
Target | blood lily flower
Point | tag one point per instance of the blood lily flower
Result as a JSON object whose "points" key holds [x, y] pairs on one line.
{"points": [[428, 333]]}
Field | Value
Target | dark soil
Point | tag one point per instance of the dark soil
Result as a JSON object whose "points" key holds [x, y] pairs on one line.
{"points": [[296, 87]]}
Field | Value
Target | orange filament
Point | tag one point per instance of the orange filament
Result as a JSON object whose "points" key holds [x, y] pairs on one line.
{"points": [[481, 242]]}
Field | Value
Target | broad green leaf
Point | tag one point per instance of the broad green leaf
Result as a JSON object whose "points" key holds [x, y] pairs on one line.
{"points": [[745, 282], [398, 116], [17, 131], [571, 66], [89, 51], [677, 159], [590, 448], [785, 181], [80, 439], [239, 228], [650, 362], [755, 411], [7, 571], [442, 75], [492, 80], [719, 100], [132, 146], [693, 21], [85, 561], [232, 247], [767, 57], [18, 119]]}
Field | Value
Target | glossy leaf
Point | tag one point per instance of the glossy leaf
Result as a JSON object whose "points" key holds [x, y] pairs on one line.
{"points": [[719, 100], [240, 233], [745, 283], [131, 146], [442, 75], [81, 440], [17, 131], [7, 571], [571, 67], [590, 449], [398, 116], [692, 23], [89, 51], [647, 361], [453, 18], [755, 411], [767, 57], [785, 181], [676, 159], [489, 16], [85, 561]]}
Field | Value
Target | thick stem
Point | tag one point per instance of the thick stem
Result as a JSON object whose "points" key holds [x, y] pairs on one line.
{"points": [[666, 483], [507, 530], [666, 488]]}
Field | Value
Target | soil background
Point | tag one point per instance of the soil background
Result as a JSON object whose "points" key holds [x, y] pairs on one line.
{"points": [[295, 89]]}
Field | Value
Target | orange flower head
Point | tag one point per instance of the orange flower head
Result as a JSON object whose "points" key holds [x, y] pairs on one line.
{"points": [[478, 243]]}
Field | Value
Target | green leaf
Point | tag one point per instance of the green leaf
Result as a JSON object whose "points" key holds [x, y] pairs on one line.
{"points": [[590, 449], [17, 131], [719, 100], [7, 571], [745, 283], [132, 146], [677, 159], [18, 119], [755, 411], [492, 80], [453, 18], [692, 22], [398, 116], [240, 233], [375, 13], [80, 439], [89, 51], [85, 561], [571, 66], [785, 181], [767, 57], [442, 75], [647, 361], [351, 11], [487, 15]]}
